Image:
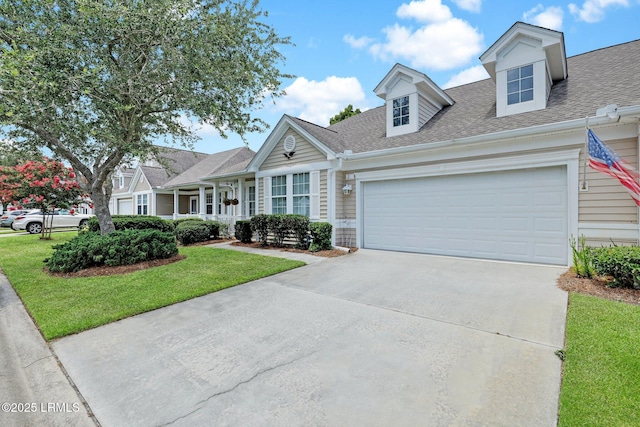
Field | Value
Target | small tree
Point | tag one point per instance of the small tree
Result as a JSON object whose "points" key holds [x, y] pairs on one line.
{"points": [[43, 185], [344, 114]]}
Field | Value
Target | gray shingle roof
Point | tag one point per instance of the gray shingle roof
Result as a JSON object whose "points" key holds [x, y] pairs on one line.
{"points": [[222, 163], [597, 78], [177, 161]]}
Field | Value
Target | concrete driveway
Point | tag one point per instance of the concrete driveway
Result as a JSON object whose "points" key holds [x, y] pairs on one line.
{"points": [[375, 338]]}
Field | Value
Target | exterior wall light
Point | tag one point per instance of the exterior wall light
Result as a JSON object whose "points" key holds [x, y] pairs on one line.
{"points": [[346, 189]]}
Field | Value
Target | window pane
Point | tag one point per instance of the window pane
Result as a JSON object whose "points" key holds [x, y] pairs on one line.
{"points": [[279, 205], [279, 185], [513, 86], [513, 74], [396, 122], [405, 120], [526, 95], [526, 71], [396, 112], [405, 101], [513, 98], [301, 205], [526, 83], [301, 183], [405, 111], [396, 103]]}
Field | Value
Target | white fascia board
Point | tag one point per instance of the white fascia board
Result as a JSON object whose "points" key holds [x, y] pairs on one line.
{"points": [[558, 127], [296, 168], [517, 161]]}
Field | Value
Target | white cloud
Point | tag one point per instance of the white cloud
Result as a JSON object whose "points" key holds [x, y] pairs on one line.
{"points": [[442, 42], [551, 17], [594, 10], [469, 5], [469, 75], [425, 11], [317, 101], [357, 43], [440, 46]]}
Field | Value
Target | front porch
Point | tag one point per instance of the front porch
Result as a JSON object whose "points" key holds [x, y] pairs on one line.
{"points": [[223, 201]]}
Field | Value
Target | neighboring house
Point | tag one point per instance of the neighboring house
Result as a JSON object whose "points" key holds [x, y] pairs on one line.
{"points": [[170, 188], [492, 169]]}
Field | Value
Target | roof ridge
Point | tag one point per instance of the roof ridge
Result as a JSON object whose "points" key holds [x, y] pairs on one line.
{"points": [[604, 48], [313, 124]]}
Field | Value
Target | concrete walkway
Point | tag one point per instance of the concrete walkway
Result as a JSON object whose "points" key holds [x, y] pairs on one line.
{"points": [[375, 338], [33, 389]]}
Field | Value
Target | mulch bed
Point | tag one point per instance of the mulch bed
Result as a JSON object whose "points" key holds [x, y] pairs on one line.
{"points": [[598, 287], [326, 254], [120, 269], [124, 269]]}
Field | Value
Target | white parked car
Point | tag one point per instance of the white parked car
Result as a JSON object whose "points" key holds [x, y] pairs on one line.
{"points": [[62, 218]]}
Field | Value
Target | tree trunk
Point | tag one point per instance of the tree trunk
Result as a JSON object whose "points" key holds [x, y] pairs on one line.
{"points": [[101, 209]]}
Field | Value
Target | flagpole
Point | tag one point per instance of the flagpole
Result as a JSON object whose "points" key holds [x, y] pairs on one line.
{"points": [[586, 154]]}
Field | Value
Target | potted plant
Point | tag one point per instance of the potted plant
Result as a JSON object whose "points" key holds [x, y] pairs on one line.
{"points": [[234, 201], [226, 202]]}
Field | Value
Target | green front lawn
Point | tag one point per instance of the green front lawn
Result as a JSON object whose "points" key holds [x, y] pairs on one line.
{"points": [[601, 381], [63, 306]]}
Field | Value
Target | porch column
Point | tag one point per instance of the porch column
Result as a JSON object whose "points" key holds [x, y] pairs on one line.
{"points": [[203, 206], [240, 211], [215, 201], [176, 203]]}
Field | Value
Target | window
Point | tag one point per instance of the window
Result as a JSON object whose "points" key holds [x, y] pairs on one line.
{"points": [[208, 201], [143, 204], [301, 194], [401, 111], [520, 85], [279, 194], [251, 198]]}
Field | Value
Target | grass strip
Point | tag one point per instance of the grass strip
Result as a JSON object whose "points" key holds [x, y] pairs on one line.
{"points": [[64, 306], [601, 380]]}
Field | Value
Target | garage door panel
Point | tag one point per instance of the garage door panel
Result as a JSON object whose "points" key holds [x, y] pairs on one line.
{"points": [[518, 215]]}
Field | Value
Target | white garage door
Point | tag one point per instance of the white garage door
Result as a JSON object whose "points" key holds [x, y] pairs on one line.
{"points": [[518, 215], [125, 207]]}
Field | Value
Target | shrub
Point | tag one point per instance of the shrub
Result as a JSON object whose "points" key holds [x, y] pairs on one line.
{"points": [[260, 225], [177, 222], [321, 233], [299, 227], [134, 222], [582, 258], [190, 232], [122, 247], [279, 226], [621, 262], [243, 231]]}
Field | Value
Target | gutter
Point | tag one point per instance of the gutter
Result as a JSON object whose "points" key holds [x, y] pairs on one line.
{"points": [[496, 136]]}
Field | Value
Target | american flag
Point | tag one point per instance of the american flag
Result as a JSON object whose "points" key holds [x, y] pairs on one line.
{"points": [[605, 160]]}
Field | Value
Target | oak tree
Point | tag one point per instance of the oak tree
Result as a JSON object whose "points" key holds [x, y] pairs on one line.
{"points": [[97, 82]]}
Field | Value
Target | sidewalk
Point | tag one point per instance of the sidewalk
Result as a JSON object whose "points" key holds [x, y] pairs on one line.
{"points": [[34, 391]]}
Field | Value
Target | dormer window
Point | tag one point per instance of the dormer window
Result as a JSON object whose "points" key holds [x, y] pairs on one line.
{"points": [[401, 111], [520, 84]]}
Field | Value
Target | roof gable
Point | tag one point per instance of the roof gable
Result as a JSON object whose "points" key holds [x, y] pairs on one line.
{"points": [[320, 138], [212, 165], [400, 74]]}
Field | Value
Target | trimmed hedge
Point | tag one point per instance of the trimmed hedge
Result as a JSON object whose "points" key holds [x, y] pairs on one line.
{"points": [[134, 222], [122, 247], [260, 224], [243, 231], [189, 232], [621, 262], [321, 233]]}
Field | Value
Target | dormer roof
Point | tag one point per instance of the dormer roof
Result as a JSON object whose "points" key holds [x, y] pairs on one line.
{"points": [[551, 41], [421, 81]]}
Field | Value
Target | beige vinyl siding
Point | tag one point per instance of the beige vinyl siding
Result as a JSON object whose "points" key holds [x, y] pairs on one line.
{"points": [[426, 110], [607, 201], [260, 196], [324, 209], [164, 204], [305, 152], [142, 185], [345, 210]]}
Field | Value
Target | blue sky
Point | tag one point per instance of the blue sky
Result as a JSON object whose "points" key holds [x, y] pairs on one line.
{"points": [[343, 49]]}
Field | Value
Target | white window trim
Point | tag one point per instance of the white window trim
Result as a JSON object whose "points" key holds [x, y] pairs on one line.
{"points": [[314, 187]]}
